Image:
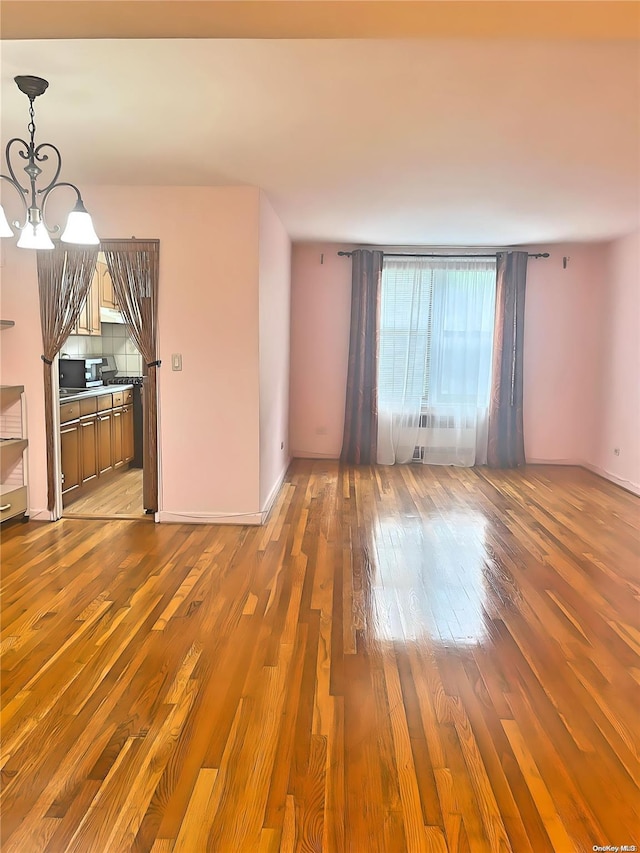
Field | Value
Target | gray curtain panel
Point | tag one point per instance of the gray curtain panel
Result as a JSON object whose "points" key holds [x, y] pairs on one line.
{"points": [[360, 439], [134, 269], [64, 279], [506, 433]]}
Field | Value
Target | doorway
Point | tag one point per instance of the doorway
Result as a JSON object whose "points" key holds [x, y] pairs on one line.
{"points": [[107, 449]]}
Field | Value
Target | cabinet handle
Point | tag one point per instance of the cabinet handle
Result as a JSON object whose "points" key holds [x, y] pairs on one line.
{"points": [[5, 507]]}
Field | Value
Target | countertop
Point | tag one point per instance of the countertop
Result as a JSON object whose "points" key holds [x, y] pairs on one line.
{"points": [[98, 391]]}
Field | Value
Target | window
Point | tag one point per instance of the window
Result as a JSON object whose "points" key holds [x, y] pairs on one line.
{"points": [[436, 332]]}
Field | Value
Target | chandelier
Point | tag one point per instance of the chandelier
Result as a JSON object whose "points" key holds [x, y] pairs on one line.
{"points": [[34, 230]]}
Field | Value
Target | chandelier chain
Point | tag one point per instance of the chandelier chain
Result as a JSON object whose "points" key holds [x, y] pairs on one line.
{"points": [[31, 127]]}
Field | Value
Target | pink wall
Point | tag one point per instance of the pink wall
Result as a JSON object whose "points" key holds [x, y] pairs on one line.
{"points": [[563, 342], [274, 301], [619, 400], [320, 314], [208, 311]]}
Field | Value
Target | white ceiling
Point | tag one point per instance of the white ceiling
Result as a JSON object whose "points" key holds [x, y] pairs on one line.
{"points": [[430, 142]]}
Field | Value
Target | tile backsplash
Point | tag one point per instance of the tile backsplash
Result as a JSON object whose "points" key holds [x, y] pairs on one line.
{"points": [[114, 340]]}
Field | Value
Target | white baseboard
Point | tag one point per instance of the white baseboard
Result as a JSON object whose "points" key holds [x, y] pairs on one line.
{"points": [[634, 488], [309, 454], [186, 517], [534, 461], [273, 494], [41, 515]]}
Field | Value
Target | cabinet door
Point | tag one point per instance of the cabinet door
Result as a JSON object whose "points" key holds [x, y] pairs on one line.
{"points": [[116, 439], [70, 456], [89, 449], [127, 433], [107, 294], [89, 318], [94, 301], [105, 456], [83, 326]]}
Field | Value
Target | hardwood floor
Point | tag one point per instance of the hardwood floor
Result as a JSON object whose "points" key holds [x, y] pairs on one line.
{"points": [[119, 497], [403, 659]]}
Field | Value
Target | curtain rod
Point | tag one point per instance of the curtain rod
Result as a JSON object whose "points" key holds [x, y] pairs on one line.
{"points": [[453, 257]]}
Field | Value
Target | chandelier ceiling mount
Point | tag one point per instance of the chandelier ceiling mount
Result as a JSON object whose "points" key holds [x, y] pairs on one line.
{"points": [[31, 86]]}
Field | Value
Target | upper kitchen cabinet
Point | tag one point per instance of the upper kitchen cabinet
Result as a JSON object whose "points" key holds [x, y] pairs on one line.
{"points": [[89, 319], [101, 303], [107, 295]]}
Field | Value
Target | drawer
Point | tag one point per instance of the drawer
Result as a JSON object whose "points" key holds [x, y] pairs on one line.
{"points": [[128, 396], [13, 503], [88, 406], [105, 401], [118, 399], [69, 411]]}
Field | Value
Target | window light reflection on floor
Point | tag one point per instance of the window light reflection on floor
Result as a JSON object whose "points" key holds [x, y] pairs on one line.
{"points": [[439, 591]]}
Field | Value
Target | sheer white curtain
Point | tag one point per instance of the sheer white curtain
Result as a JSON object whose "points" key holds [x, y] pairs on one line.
{"points": [[434, 364]]}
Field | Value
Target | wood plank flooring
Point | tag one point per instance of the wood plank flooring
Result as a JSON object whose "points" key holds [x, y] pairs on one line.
{"points": [[119, 497], [403, 659]]}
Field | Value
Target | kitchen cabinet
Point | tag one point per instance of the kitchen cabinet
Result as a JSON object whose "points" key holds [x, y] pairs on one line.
{"points": [[117, 455], [89, 318], [88, 438], [107, 293], [96, 439], [101, 295], [104, 442], [70, 457], [89, 448], [13, 452], [127, 433]]}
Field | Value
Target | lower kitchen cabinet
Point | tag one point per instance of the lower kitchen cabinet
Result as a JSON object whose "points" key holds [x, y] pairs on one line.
{"points": [[127, 433], [89, 448], [117, 455], [104, 442], [70, 456], [96, 439]]}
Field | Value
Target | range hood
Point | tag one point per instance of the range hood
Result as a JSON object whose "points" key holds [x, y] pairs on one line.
{"points": [[110, 315]]}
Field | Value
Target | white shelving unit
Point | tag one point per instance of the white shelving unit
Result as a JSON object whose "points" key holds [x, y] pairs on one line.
{"points": [[13, 452]]}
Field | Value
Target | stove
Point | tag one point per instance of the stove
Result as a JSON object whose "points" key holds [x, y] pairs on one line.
{"points": [[125, 380]]}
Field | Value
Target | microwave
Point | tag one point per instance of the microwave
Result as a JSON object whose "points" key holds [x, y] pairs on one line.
{"points": [[79, 372]]}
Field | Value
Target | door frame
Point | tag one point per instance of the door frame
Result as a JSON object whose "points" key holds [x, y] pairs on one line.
{"points": [[58, 510]]}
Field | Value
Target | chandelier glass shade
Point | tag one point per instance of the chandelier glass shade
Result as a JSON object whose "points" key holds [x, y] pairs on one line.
{"points": [[34, 229]]}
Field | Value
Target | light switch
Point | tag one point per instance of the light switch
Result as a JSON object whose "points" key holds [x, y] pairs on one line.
{"points": [[176, 361]]}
